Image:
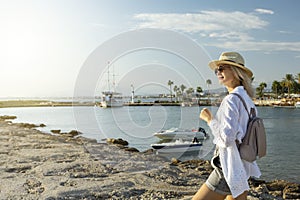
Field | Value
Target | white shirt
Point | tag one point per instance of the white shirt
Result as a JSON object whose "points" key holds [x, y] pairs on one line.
{"points": [[229, 125]]}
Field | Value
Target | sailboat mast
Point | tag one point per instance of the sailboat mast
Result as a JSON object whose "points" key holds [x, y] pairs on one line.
{"points": [[108, 84], [114, 83]]}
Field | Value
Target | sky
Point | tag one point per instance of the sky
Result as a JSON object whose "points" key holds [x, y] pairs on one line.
{"points": [[62, 48]]}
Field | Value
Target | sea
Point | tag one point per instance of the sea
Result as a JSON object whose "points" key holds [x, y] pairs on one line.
{"points": [[137, 124]]}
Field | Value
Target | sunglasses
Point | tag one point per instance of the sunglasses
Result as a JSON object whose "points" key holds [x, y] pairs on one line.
{"points": [[220, 69]]}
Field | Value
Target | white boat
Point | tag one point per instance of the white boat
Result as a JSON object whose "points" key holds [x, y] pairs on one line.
{"points": [[111, 99], [185, 134], [178, 146], [297, 104]]}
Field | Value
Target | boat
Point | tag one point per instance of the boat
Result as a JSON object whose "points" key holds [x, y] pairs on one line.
{"points": [[179, 146], [185, 134], [111, 99], [297, 104]]}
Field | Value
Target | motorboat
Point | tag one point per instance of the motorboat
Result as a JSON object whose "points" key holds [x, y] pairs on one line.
{"points": [[185, 134], [297, 104], [179, 146]]}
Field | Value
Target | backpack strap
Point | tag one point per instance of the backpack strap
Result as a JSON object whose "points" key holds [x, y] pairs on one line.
{"points": [[249, 114], [252, 111]]}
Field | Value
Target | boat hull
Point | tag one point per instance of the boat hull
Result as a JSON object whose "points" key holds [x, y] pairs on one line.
{"points": [[108, 104], [176, 133], [111, 99], [176, 148]]}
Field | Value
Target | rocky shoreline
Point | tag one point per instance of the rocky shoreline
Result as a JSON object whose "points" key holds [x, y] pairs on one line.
{"points": [[36, 165]]}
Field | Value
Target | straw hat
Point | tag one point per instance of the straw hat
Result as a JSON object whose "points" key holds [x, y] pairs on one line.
{"points": [[233, 59]]}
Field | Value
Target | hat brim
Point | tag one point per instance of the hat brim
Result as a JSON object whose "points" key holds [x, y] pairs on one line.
{"points": [[216, 63]]}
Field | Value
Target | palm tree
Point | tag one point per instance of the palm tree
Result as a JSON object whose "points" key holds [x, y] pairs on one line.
{"points": [[182, 88], [208, 83], [170, 83], [260, 89], [288, 82], [176, 89], [189, 91], [276, 88], [199, 90], [297, 77]]}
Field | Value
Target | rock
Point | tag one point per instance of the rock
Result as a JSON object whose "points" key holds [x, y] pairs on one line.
{"points": [[131, 149], [18, 168], [7, 117], [74, 133], [109, 140], [42, 125], [276, 185], [252, 198], [86, 140], [33, 186], [27, 125], [292, 191], [200, 165], [117, 141], [57, 131], [278, 189], [69, 183], [71, 134], [256, 182], [261, 189], [148, 151], [122, 144], [276, 193], [175, 161]]}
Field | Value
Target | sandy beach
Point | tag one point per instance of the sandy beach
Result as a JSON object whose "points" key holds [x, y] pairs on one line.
{"points": [[36, 165]]}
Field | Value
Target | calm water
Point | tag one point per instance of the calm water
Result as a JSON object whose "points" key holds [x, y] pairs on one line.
{"points": [[137, 125]]}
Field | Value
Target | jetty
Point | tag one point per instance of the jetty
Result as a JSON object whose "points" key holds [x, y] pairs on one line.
{"points": [[151, 104], [287, 103]]}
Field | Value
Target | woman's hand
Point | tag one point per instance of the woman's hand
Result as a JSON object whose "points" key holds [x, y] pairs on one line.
{"points": [[206, 115]]}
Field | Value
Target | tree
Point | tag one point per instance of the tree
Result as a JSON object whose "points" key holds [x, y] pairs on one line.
{"points": [[208, 83], [199, 90], [297, 77], [260, 89], [288, 82], [182, 88], [170, 83], [189, 91], [276, 88], [297, 85], [176, 89]]}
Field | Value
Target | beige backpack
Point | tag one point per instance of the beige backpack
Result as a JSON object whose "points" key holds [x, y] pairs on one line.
{"points": [[254, 144]]}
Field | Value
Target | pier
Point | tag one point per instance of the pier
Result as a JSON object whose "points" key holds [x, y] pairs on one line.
{"points": [[151, 104]]}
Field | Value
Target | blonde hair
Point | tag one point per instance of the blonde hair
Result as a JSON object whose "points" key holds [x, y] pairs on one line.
{"points": [[244, 79]]}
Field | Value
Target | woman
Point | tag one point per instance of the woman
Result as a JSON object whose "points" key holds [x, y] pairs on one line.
{"points": [[229, 179]]}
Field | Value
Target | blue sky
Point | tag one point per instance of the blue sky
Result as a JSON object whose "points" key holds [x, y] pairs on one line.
{"points": [[46, 45]]}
